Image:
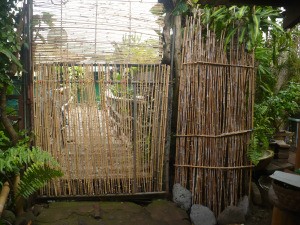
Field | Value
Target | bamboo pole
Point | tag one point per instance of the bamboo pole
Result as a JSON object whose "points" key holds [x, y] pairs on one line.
{"points": [[3, 196]]}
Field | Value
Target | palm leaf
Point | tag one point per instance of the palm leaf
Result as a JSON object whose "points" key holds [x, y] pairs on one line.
{"points": [[229, 36]]}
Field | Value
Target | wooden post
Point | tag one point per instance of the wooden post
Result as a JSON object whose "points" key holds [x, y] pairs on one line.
{"points": [[297, 158], [134, 139]]}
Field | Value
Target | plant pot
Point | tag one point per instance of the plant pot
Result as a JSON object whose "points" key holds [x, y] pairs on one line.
{"points": [[265, 160], [288, 196], [283, 135]]}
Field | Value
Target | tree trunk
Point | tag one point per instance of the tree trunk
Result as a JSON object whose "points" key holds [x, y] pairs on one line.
{"points": [[4, 118], [177, 66], [19, 200], [167, 39]]}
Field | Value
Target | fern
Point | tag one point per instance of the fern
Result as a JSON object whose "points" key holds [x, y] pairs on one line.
{"points": [[3, 139], [35, 177], [257, 146], [38, 166], [16, 157], [38, 155]]}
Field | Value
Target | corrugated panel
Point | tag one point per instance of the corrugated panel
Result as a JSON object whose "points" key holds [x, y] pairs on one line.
{"points": [[97, 31]]}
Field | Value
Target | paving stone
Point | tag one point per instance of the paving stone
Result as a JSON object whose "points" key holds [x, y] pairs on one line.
{"points": [[112, 213]]}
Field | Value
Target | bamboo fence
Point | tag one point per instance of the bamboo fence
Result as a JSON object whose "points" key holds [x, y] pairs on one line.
{"points": [[214, 118], [105, 124]]}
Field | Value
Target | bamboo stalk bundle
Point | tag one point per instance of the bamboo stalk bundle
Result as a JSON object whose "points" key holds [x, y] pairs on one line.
{"points": [[215, 109], [105, 124]]}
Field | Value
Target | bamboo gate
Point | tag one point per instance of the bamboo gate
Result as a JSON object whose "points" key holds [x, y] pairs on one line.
{"points": [[214, 118], [105, 124]]}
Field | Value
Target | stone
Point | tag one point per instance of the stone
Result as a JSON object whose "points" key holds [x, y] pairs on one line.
{"points": [[244, 205], [201, 215], [37, 209], [182, 197], [231, 215], [256, 195], [8, 216], [24, 219], [273, 197]]}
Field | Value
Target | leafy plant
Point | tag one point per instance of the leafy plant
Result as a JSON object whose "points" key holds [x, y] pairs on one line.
{"points": [[248, 23], [282, 105], [34, 166], [270, 116], [262, 133], [258, 145], [11, 41]]}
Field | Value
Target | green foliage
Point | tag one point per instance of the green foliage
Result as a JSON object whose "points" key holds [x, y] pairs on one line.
{"points": [[278, 62], [4, 141], [181, 8], [120, 87], [10, 38], [247, 23], [35, 177], [35, 166], [257, 146], [10, 56], [262, 133], [269, 117], [283, 105]]}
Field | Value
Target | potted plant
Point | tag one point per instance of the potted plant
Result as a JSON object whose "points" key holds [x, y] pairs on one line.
{"points": [[270, 116], [258, 151], [282, 105]]}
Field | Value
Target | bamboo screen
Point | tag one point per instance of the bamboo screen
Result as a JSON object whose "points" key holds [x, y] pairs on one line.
{"points": [[97, 31], [104, 124], [214, 118]]}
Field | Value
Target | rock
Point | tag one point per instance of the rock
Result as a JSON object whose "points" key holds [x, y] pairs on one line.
{"points": [[256, 195], [25, 218], [21, 221], [182, 197], [8, 216], [244, 205], [231, 215], [37, 209], [272, 196], [201, 215]]}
